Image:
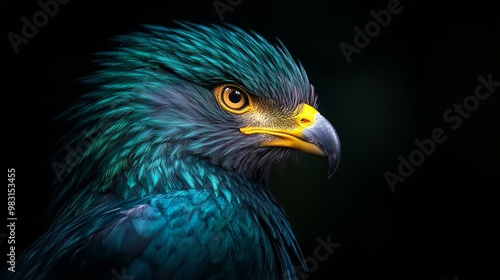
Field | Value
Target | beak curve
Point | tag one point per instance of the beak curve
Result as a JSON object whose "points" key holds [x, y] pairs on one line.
{"points": [[322, 134], [310, 133]]}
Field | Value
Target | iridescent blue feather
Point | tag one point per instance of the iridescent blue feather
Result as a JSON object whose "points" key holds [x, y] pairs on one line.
{"points": [[167, 187]]}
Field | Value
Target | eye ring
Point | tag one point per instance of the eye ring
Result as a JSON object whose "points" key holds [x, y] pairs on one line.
{"points": [[233, 98]]}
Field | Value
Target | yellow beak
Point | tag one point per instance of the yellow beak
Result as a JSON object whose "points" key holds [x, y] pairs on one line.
{"points": [[310, 132]]}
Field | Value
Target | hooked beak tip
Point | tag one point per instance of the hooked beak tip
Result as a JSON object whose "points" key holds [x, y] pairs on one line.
{"points": [[322, 134]]}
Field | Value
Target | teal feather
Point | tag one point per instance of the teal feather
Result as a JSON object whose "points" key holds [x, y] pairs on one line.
{"points": [[167, 186]]}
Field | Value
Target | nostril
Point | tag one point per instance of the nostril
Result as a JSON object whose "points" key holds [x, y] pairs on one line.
{"points": [[305, 122]]}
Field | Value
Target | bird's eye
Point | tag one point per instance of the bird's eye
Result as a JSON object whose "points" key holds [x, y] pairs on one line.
{"points": [[232, 98]]}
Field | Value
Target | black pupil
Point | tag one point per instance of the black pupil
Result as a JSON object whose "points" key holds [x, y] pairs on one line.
{"points": [[235, 96]]}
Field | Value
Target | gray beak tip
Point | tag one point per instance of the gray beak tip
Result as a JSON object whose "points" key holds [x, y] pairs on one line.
{"points": [[325, 137]]}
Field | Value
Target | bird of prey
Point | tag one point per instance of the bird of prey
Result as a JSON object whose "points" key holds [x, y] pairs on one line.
{"points": [[175, 143]]}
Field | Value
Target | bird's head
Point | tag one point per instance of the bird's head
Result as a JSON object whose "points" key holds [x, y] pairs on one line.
{"points": [[196, 93]]}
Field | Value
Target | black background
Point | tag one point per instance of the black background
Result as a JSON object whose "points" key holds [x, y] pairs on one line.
{"points": [[437, 224]]}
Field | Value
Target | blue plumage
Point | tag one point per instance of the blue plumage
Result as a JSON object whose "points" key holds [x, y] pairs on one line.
{"points": [[169, 186]]}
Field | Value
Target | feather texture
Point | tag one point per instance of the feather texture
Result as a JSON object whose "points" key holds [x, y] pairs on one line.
{"points": [[167, 187]]}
